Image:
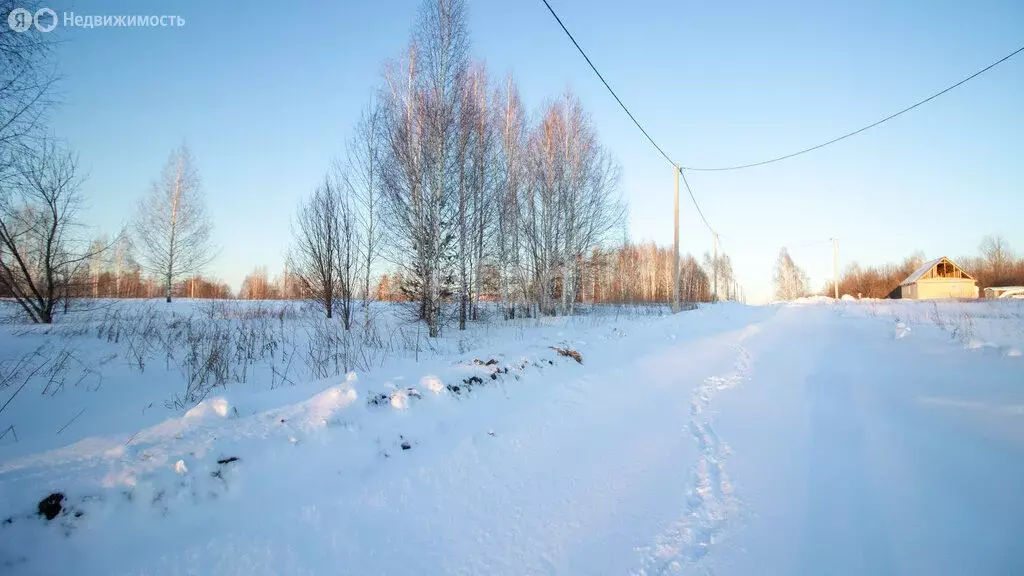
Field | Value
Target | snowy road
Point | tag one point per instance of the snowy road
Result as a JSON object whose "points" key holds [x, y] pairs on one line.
{"points": [[856, 453], [781, 440]]}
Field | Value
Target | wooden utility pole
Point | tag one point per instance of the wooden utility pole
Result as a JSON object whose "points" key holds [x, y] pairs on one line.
{"points": [[675, 248], [714, 266], [835, 266]]}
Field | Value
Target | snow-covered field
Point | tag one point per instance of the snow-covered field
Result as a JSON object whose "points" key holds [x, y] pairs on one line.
{"points": [[870, 437]]}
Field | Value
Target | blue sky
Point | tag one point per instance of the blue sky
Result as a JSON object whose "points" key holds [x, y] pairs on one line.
{"points": [[266, 95]]}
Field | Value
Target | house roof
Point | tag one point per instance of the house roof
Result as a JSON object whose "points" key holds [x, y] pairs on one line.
{"points": [[917, 274]]}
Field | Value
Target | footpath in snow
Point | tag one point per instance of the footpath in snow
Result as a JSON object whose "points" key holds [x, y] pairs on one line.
{"points": [[845, 438]]}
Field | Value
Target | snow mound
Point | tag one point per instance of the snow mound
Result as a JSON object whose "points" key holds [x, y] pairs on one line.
{"points": [[1012, 352], [400, 400], [977, 344], [811, 300], [847, 297], [901, 330], [432, 383], [320, 409], [218, 406]]}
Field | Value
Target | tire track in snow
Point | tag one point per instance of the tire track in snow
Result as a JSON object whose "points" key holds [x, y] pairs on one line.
{"points": [[711, 500]]}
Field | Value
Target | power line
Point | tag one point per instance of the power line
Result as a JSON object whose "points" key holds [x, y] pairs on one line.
{"points": [[695, 205], [603, 81], [865, 128], [805, 245], [628, 113]]}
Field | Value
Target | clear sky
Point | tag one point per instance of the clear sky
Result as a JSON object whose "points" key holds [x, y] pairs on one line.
{"points": [[266, 94]]}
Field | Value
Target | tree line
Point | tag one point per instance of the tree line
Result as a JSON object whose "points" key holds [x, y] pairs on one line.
{"points": [[628, 273]]}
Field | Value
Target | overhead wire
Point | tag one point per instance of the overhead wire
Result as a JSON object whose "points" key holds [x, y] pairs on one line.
{"points": [[625, 109], [835, 140], [813, 243], [862, 129]]}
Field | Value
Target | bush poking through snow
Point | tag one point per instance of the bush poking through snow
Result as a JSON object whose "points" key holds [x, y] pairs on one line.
{"points": [[568, 352]]}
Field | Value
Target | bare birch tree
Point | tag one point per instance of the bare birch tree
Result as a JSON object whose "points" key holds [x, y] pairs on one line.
{"points": [[475, 181], [482, 196], [122, 259], [422, 124], [349, 261], [997, 254], [571, 204], [27, 78], [789, 280], [402, 177], [313, 259], [325, 253], [512, 122], [365, 153], [41, 249], [172, 229]]}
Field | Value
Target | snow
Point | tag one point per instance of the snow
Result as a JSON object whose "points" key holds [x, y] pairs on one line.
{"points": [[853, 437], [810, 300], [217, 406], [432, 383]]}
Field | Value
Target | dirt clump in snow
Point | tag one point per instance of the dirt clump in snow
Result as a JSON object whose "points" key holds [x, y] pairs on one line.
{"points": [[467, 385], [378, 399], [51, 506]]}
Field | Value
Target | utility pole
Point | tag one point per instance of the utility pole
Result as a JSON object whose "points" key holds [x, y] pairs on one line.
{"points": [[835, 266], [675, 248], [714, 266]]}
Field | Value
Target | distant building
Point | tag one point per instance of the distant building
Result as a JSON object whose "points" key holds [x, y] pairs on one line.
{"points": [[940, 278], [1004, 292]]}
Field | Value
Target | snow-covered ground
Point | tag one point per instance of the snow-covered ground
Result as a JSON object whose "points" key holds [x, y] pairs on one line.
{"points": [[861, 437]]}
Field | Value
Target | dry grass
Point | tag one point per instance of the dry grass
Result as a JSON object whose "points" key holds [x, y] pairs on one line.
{"points": [[569, 352]]}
